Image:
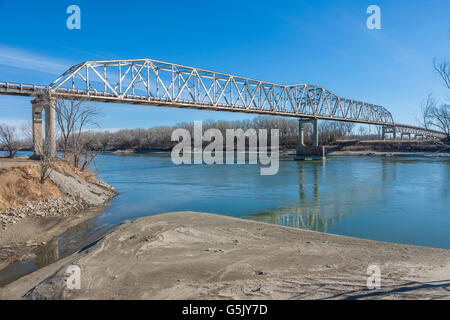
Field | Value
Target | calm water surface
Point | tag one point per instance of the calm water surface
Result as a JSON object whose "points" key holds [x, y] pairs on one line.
{"points": [[404, 200]]}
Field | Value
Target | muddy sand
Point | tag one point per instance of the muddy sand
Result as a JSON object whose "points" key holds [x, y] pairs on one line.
{"points": [[21, 240], [187, 255]]}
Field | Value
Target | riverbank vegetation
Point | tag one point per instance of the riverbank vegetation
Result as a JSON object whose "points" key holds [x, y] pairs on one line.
{"points": [[82, 146]]}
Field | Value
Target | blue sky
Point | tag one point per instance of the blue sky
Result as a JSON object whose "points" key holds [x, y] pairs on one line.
{"points": [[325, 43]]}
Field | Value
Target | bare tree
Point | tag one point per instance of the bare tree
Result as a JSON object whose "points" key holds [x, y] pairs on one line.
{"points": [[362, 131], [46, 164], [26, 131], [73, 117], [348, 128], [9, 140], [425, 111], [440, 118], [442, 67], [84, 152]]}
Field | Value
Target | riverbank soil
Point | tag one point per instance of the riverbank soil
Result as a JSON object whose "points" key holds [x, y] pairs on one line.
{"points": [[391, 145], [389, 148], [32, 213], [20, 241], [187, 255]]}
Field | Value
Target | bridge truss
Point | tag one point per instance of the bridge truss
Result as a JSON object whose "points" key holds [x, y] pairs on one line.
{"points": [[157, 83]]}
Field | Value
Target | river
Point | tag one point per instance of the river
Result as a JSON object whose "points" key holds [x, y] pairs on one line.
{"points": [[396, 199]]}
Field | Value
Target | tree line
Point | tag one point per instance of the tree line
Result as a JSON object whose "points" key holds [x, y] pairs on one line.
{"points": [[77, 142], [159, 138]]}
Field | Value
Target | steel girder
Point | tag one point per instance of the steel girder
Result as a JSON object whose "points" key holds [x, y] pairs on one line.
{"points": [[417, 131], [154, 82]]}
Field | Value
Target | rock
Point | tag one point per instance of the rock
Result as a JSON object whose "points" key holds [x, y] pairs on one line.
{"points": [[31, 243], [80, 195], [91, 193]]}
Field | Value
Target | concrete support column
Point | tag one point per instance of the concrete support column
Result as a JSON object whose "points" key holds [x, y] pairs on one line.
{"points": [[383, 133], [315, 133], [301, 134], [38, 142], [394, 133], [50, 128]]}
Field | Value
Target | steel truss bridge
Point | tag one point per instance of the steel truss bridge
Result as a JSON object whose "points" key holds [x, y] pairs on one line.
{"points": [[157, 83]]}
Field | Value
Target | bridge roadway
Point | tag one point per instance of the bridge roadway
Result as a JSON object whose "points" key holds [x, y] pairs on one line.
{"points": [[156, 83]]}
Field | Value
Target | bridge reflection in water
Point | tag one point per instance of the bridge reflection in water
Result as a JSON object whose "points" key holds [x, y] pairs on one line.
{"points": [[318, 210]]}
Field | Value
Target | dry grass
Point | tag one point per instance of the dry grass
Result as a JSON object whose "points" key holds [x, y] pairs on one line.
{"points": [[62, 166], [21, 184]]}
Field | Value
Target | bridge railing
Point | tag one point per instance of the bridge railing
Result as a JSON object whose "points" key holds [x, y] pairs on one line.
{"points": [[21, 87]]}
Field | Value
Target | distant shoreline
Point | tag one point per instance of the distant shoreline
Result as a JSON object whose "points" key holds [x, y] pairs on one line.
{"points": [[372, 153], [355, 148], [329, 152]]}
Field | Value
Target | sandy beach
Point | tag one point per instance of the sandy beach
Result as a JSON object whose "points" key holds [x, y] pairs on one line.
{"points": [[187, 255]]}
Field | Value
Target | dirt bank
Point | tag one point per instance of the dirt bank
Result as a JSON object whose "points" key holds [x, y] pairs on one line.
{"points": [[32, 213], [188, 255], [21, 240], [389, 154], [391, 146]]}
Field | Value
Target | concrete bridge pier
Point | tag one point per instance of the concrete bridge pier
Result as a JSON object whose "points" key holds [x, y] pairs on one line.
{"points": [[315, 133], [301, 132], [39, 148], [314, 152]]}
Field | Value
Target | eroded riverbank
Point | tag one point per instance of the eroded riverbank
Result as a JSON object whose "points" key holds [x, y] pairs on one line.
{"points": [[33, 212]]}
